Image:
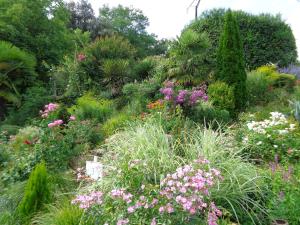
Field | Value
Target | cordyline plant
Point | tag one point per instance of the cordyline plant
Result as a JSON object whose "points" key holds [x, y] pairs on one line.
{"points": [[182, 197]]}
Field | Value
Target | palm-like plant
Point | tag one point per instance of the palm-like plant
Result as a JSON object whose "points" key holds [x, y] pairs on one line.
{"points": [[17, 71], [189, 61]]}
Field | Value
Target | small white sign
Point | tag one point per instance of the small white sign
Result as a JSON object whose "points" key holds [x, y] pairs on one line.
{"points": [[94, 169]]}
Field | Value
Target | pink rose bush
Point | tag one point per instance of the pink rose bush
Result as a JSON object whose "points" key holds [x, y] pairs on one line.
{"points": [[55, 123], [181, 196], [51, 107]]}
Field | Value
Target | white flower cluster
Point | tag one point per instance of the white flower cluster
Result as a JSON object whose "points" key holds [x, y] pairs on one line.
{"points": [[275, 119]]}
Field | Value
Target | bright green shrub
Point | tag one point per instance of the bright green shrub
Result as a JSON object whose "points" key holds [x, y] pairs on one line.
{"points": [[89, 107], [230, 61], [258, 87], [221, 95], [113, 123], [277, 79], [37, 192], [258, 32]]}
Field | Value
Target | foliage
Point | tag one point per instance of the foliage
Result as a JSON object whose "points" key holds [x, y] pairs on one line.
{"points": [[273, 136], [258, 32], [37, 192], [36, 25], [207, 114], [258, 87], [277, 79], [32, 100], [115, 122], [189, 61], [102, 56], [296, 110], [285, 186], [89, 107], [17, 72], [62, 213], [230, 61], [131, 23], [221, 95]]}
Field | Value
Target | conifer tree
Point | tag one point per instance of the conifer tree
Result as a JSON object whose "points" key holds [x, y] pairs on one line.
{"points": [[230, 61], [36, 192]]}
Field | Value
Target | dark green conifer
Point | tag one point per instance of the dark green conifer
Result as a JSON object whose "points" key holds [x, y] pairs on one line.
{"points": [[230, 61]]}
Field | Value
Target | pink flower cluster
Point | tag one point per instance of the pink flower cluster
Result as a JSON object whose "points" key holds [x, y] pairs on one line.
{"points": [[189, 187], [184, 97], [81, 57], [121, 193], [186, 190], [55, 123], [48, 109], [86, 201]]}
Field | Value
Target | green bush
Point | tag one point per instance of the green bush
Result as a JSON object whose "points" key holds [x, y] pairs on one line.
{"points": [[17, 69], [37, 192], [258, 87], [102, 56], [278, 80], [258, 32], [89, 107], [144, 69], [32, 101], [230, 61], [221, 95], [113, 123], [205, 113], [189, 58]]}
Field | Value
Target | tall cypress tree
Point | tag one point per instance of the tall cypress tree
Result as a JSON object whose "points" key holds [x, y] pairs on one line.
{"points": [[230, 61]]}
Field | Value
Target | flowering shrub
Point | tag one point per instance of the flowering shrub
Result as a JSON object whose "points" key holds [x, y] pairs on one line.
{"points": [[55, 123], [182, 197], [156, 105], [51, 107], [183, 97], [275, 135]]}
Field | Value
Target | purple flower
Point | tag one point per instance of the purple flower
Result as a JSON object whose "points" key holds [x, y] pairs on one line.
{"points": [[196, 95], [181, 96]]}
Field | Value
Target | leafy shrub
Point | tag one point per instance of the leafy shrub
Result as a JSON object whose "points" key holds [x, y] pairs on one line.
{"points": [[32, 100], [221, 95], [26, 138], [254, 29], [37, 192], [205, 113], [277, 79], [18, 69], [258, 87], [283, 203], [275, 135], [89, 107], [113, 123], [230, 61]]}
